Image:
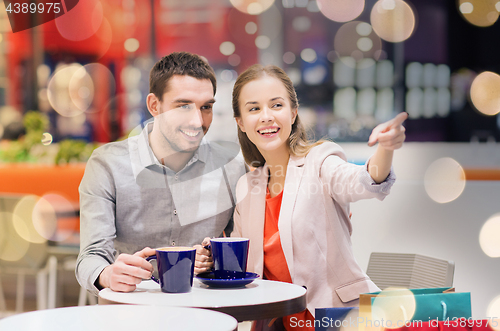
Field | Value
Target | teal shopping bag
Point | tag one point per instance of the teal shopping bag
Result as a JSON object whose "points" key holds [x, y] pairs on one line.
{"points": [[441, 303]]}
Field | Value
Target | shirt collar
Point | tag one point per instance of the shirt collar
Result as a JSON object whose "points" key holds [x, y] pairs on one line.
{"points": [[147, 157]]}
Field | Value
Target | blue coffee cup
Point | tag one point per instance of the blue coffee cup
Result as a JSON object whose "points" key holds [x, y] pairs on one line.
{"points": [[175, 268], [230, 256]]}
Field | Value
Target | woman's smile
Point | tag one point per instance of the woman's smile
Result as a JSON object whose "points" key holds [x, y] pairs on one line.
{"points": [[269, 132]]}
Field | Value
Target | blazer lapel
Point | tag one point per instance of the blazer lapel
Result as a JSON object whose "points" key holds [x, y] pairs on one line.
{"points": [[293, 179]]}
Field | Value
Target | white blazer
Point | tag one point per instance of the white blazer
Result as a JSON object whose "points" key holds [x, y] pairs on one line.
{"points": [[314, 223]]}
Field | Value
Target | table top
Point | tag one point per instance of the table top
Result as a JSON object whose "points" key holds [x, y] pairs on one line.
{"points": [[259, 300], [119, 317]]}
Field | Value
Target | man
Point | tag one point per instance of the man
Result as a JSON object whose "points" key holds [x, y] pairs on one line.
{"points": [[167, 186]]}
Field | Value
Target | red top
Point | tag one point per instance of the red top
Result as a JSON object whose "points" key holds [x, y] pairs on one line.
{"points": [[275, 266]]}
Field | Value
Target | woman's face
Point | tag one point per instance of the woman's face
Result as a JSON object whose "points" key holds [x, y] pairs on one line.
{"points": [[266, 114]]}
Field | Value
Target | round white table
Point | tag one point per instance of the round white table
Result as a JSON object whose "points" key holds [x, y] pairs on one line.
{"points": [[119, 317], [261, 299]]}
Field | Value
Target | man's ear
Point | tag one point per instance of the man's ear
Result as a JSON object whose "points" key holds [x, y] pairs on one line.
{"points": [[153, 104], [240, 124]]}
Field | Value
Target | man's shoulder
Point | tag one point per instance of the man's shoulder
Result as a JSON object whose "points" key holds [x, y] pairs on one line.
{"points": [[116, 148]]}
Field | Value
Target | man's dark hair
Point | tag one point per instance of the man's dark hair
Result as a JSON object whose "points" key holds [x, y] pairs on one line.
{"points": [[178, 63]]}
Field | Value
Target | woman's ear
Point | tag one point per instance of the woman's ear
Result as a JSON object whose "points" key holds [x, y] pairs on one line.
{"points": [[294, 115], [153, 104], [240, 123]]}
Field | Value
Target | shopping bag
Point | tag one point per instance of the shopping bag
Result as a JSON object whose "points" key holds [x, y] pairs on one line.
{"points": [[335, 319], [426, 304], [462, 324]]}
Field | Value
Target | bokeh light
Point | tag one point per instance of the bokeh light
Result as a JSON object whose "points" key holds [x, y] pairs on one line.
{"points": [[357, 40], [485, 93], [252, 7], [301, 23], [344, 103], [13, 247], [105, 35], [365, 73], [47, 139], [227, 48], [251, 28], [289, 58], [130, 77], [81, 89], [443, 75], [481, 13], [364, 29], [58, 90], [429, 103], [392, 20], [262, 42], [42, 74], [414, 75], [466, 7], [344, 73], [385, 73], [493, 311], [393, 305], [364, 44], [316, 74], [71, 88], [131, 45], [228, 75], [444, 180], [489, 237], [46, 220], [385, 104], [23, 223], [103, 80], [366, 101], [429, 74], [234, 60], [414, 102], [341, 10], [308, 55], [244, 28], [82, 21], [295, 75]]}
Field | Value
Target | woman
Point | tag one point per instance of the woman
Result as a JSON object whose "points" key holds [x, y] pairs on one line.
{"points": [[294, 206]]}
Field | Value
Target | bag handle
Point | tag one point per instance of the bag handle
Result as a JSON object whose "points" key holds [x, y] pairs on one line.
{"points": [[405, 315], [443, 304], [445, 310]]}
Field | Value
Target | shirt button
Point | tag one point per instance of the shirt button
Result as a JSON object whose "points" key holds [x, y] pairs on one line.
{"points": [[175, 212], [176, 177]]}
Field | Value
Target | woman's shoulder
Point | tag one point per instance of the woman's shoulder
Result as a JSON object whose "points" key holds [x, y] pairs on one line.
{"points": [[325, 149]]}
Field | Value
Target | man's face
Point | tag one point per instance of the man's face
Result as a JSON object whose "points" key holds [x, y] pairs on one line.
{"points": [[185, 113]]}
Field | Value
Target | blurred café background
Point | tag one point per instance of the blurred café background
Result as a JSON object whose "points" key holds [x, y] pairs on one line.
{"points": [[80, 80]]}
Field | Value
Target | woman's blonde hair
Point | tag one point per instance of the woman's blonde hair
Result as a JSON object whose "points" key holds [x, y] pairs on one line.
{"points": [[297, 142]]}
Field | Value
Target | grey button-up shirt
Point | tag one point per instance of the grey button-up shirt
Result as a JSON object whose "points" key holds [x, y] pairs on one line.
{"points": [[129, 200]]}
